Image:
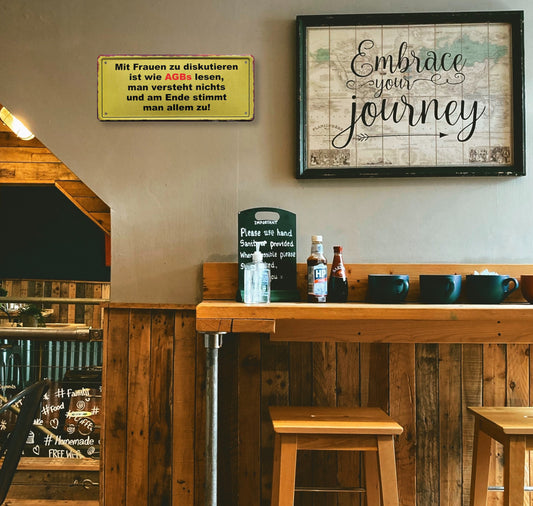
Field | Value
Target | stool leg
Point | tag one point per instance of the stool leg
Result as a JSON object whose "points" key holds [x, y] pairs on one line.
{"points": [[387, 471], [372, 478], [513, 481], [284, 472], [479, 483]]}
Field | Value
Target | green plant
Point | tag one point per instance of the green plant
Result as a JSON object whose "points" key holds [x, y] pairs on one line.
{"points": [[31, 310]]}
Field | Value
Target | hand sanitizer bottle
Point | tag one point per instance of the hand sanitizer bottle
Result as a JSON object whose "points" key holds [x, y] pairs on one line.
{"points": [[256, 279]]}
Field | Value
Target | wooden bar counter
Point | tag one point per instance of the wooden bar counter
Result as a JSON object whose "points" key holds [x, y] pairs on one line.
{"points": [[363, 322], [422, 363]]}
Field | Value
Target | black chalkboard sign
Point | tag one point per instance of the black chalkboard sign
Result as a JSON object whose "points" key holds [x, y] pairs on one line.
{"points": [[275, 230]]}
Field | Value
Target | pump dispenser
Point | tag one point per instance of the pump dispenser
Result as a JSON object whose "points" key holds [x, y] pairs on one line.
{"points": [[256, 279]]}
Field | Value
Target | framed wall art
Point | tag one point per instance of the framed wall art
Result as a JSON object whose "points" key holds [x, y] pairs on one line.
{"points": [[426, 94]]}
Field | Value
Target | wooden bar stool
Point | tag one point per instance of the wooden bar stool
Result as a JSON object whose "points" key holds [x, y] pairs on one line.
{"points": [[512, 427], [369, 430]]}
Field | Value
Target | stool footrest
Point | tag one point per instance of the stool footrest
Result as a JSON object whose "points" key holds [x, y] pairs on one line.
{"points": [[501, 489], [349, 490]]}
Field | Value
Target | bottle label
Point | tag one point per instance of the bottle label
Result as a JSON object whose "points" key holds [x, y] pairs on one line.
{"points": [[338, 271], [317, 280]]}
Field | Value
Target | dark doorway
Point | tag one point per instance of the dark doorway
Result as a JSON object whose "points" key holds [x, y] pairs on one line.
{"points": [[45, 236]]}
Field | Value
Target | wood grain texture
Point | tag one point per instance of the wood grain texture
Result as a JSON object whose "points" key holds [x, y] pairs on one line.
{"points": [[427, 421], [426, 387], [138, 398], [403, 409], [115, 406], [183, 409], [220, 279], [249, 420], [450, 428]]}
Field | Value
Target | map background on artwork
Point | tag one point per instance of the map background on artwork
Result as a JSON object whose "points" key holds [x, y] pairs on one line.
{"points": [[411, 98]]}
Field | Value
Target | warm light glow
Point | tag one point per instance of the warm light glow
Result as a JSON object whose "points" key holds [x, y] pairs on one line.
{"points": [[15, 125]]}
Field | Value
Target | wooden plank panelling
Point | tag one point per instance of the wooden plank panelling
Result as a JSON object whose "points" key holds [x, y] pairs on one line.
{"points": [[150, 407], [426, 387]]}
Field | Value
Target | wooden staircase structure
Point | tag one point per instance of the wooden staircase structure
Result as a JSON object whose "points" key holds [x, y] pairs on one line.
{"points": [[31, 162]]}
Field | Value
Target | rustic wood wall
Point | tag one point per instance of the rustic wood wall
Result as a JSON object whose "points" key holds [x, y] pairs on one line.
{"points": [[155, 409], [88, 314], [150, 403]]}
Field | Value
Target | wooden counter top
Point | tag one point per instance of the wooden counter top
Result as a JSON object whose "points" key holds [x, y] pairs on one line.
{"points": [[361, 311], [362, 322]]}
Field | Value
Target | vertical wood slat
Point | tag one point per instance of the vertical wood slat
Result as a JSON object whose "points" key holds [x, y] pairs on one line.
{"points": [[427, 422], [403, 410], [450, 434], [494, 394], [348, 389], [274, 392], [324, 394], [472, 381], [115, 382], [249, 420], [518, 372], [138, 399], [160, 407], [228, 423], [200, 417], [183, 419], [301, 394]]}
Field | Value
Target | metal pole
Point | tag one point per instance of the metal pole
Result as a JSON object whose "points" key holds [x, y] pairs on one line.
{"points": [[212, 343], [52, 333]]}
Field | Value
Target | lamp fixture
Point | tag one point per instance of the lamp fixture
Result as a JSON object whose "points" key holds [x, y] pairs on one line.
{"points": [[18, 128]]}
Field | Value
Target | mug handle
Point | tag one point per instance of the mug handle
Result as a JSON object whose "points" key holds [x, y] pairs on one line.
{"points": [[403, 285], [506, 282], [450, 287]]}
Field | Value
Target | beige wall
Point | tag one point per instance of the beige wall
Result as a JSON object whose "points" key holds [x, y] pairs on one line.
{"points": [[175, 188]]}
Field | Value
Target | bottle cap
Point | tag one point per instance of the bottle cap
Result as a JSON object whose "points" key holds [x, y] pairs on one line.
{"points": [[316, 238], [337, 249], [257, 256]]}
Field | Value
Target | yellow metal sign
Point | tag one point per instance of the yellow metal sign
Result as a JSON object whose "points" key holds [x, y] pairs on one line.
{"points": [[175, 88]]}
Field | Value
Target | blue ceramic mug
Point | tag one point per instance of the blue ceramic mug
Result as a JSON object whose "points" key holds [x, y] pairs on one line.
{"points": [[387, 288], [440, 288], [489, 288]]}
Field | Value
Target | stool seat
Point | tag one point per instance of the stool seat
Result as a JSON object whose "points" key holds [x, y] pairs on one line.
{"points": [[513, 428], [324, 420], [369, 430]]}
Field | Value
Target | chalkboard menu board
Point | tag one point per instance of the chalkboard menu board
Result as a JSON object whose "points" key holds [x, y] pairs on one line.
{"points": [[275, 230]]}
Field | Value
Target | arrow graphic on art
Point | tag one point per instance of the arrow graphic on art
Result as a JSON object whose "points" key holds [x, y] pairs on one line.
{"points": [[364, 137]]}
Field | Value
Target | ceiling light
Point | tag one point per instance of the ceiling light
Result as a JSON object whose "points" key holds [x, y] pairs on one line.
{"points": [[15, 125]]}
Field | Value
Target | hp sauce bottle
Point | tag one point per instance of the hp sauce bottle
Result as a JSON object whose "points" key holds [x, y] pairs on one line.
{"points": [[317, 272]]}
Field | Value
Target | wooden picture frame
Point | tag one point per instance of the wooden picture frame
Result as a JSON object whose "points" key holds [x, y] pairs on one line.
{"points": [[402, 95]]}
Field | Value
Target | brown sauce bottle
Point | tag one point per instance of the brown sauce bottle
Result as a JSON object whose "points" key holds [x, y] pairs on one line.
{"points": [[317, 272]]}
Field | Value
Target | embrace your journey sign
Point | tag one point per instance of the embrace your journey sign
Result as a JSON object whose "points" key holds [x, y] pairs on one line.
{"points": [[175, 88]]}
